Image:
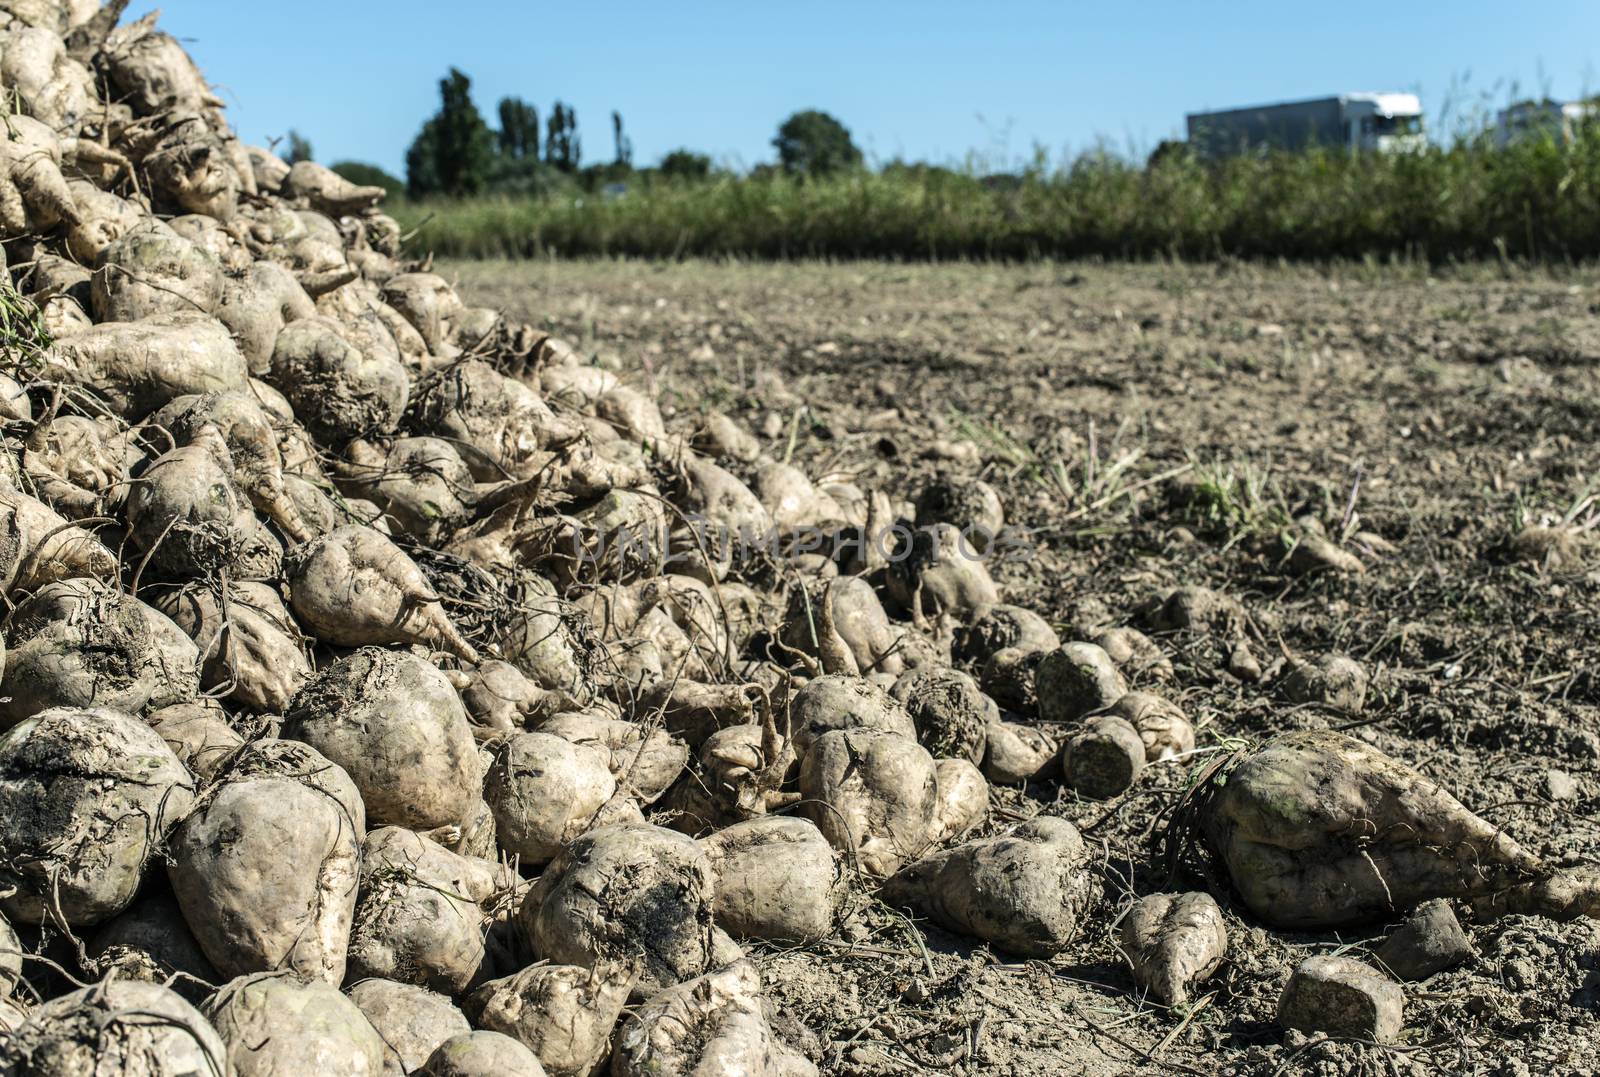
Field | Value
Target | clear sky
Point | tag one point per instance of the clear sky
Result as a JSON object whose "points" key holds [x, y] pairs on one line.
{"points": [[931, 80]]}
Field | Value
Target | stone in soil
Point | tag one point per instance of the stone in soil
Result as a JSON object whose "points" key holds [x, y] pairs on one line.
{"points": [[1430, 940], [1341, 996]]}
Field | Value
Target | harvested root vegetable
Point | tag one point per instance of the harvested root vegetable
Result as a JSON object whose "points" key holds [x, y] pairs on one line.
{"points": [[415, 920], [249, 433], [257, 305], [843, 625], [844, 702], [991, 629], [481, 1054], [150, 940], [1075, 681], [1135, 654], [742, 773], [713, 1024], [1164, 729], [468, 876], [427, 301], [186, 514], [791, 499], [1313, 554], [1341, 996], [396, 726], [277, 1023], [963, 800], [544, 792], [246, 640], [265, 867], [538, 640], [969, 505], [1025, 892], [40, 546], [1174, 941], [151, 70], [1014, 752], [625, 892], [507, 424], [83, 643], [1008, 677], [51, 85], [10, 959], [777, 880], [497, 696], [338, 390], [951, 713], [724, 439], [1200, 610], [328, 192], [14, 403], [198, 734], [622, 536], [118, 1026], [86, 797], [695, 711], [644, 762], [411, 1021], [78, 465], [421, 483], [1320, 830], [633, 415], [139, 366], [938, 571], [211, 237], [33, 193], [353, 587], [710, 491], [102, 219], [1104, 757], [564, 1014], [151, 269], [270, 170], [189, 169], [872, 793], [1331, 680]]}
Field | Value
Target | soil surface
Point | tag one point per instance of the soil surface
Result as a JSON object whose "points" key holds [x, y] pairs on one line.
{"points": [[1156, 426]]}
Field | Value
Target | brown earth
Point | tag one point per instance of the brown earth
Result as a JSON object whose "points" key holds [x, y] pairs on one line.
{"points": [[1155, 426]]}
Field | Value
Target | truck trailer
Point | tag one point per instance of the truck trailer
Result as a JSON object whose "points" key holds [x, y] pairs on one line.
{"points": [[1366, 122]]}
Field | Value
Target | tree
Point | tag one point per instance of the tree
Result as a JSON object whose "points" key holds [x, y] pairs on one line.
{"points": [[519, 129], [813, 143], [685, 164], [623, 143], [1168, 151], [368, 175], [454, 151], [299, 148], [561, 146]]}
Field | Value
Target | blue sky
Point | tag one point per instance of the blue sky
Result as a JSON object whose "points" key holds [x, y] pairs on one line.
{"points": [[930, 80]]}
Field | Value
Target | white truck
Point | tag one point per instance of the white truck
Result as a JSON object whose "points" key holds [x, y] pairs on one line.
{"points": [[1537, 119], [1364, 122]]}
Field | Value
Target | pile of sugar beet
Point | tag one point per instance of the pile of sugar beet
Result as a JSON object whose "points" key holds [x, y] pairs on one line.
{"points": [[388, 689]]}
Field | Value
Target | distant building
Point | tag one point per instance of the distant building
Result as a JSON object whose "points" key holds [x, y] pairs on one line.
{"points": [[1539, 119]]}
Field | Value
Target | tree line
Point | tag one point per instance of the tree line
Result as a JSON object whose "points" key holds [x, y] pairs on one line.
{"points": [[457, 154]]}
